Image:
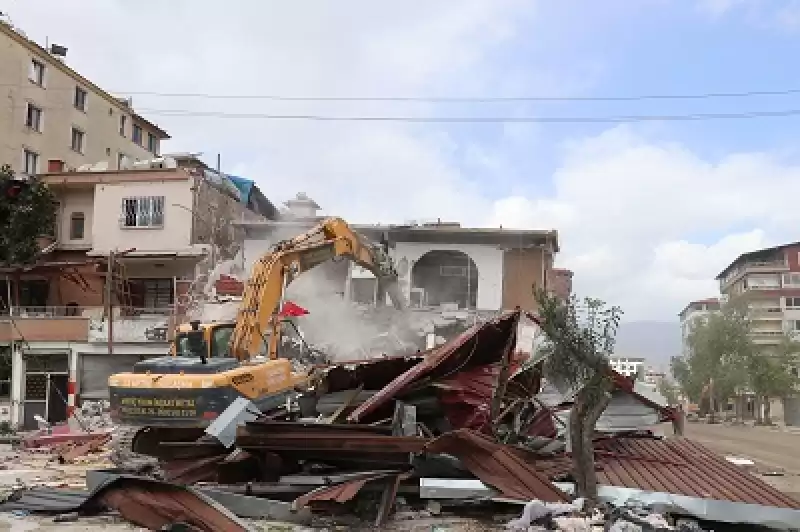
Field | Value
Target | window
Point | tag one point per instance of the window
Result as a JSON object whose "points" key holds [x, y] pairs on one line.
{"points": [[30, 163], [794, 325], [123, 124], [152, 144], [145, 211], [33, 117], [793, 302], [78, 138], [37, 72], [120, 160], [77, 223], [152, 294], [80, 99], [137, 134], [791, 279], [220, 341]]}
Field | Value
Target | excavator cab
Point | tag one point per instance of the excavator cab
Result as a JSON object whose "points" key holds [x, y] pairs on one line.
{"points": [[212, 340], [195, 341]]}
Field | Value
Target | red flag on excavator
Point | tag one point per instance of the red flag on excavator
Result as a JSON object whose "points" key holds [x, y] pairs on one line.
{"points": [[291, 310]]}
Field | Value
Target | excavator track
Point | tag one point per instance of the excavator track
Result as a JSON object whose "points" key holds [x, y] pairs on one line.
{"points": [[122, 454]]}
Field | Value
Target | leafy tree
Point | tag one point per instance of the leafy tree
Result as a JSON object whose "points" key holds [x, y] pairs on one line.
{"points": [[579, 339], [770, 373], [720, 348], [688, 382], [27, 215], [669, 390]]}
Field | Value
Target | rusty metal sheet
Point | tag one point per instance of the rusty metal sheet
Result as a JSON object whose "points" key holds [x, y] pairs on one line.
{"points": [[684, 467], [466, 396], [373, 373], [153, 505], [282, 436], [192, 470], [80, 449], [484, 343], [512, 471], [345, 491]]}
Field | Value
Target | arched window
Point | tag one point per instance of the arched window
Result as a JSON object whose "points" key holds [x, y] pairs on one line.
{"points": [[77, 224]]}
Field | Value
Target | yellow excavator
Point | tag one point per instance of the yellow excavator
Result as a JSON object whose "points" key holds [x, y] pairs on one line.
{"points": [[213, 364]]}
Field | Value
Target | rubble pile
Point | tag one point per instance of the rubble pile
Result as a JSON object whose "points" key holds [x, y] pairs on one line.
{"points": [[427, 439], [94, 415]]}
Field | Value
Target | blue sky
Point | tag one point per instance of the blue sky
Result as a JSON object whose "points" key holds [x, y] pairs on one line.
{"points": [[663, 48], [647, 213]]}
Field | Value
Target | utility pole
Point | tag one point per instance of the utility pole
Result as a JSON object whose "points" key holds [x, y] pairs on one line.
{"points": [[109, 305]]}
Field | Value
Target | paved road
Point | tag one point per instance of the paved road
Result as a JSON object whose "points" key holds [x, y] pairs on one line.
{"points": [[771, 450]]}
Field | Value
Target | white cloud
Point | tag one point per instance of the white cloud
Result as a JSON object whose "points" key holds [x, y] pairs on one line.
{"points": [[771, 14], [642, 223], [648, 225], [717, 8]]}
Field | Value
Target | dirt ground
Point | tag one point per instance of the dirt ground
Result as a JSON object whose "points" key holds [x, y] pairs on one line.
{"points": [[774, 450]]}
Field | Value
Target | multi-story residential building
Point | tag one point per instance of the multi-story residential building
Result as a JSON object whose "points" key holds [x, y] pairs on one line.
{"points": [[560, 282], [164, 225], [52, 118], [694, 309], [628, 366], [770, 281]]}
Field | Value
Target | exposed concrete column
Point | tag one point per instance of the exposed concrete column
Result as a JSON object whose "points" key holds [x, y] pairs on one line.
{"points": [[17, 384], [348, 296]]}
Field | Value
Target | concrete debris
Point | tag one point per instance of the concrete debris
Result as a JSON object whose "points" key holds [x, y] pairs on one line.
{"points": [[536, 510], [94, 415], [403, 442]]}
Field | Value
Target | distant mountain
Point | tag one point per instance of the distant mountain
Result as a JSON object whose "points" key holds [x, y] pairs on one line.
{"points": [[656, 341]]}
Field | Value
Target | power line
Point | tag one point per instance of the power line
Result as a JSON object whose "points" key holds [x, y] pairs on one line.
{"points": [[451, 99], [467, 99], [478, 119]]}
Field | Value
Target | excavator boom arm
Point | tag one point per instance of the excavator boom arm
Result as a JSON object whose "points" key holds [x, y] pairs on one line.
{"points": [[264, 291]]}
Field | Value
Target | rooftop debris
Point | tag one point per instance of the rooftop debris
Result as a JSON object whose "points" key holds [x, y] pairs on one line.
{"points": [[466, 424]]}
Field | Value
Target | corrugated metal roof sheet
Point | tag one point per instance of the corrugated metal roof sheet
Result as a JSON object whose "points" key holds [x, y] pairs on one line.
{"points": [[344, 491], [506, 468], [684, 467], [484, 343], [678, 465]]}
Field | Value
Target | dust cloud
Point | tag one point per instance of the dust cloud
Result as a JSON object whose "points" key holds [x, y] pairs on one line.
{"points": [[339, 328]]}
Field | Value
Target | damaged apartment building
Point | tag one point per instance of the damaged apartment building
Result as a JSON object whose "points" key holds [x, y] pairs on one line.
{"points": [[160, 224], [451, 275]]}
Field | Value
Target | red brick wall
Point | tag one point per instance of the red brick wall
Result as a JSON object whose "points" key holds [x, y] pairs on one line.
{"points": [[228, 286], [561, 283]]}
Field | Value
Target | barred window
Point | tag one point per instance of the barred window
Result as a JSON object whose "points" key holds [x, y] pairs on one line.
{"points": [[146, 211]]}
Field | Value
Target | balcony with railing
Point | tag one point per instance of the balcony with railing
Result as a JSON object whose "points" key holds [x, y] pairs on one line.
{"points": [[85, 324], [767, 265], [776, 265], [766, 313]]}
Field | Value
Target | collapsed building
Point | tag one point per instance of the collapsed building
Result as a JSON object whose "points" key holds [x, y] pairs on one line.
{"points": [[469, 424], [452, 277]]}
